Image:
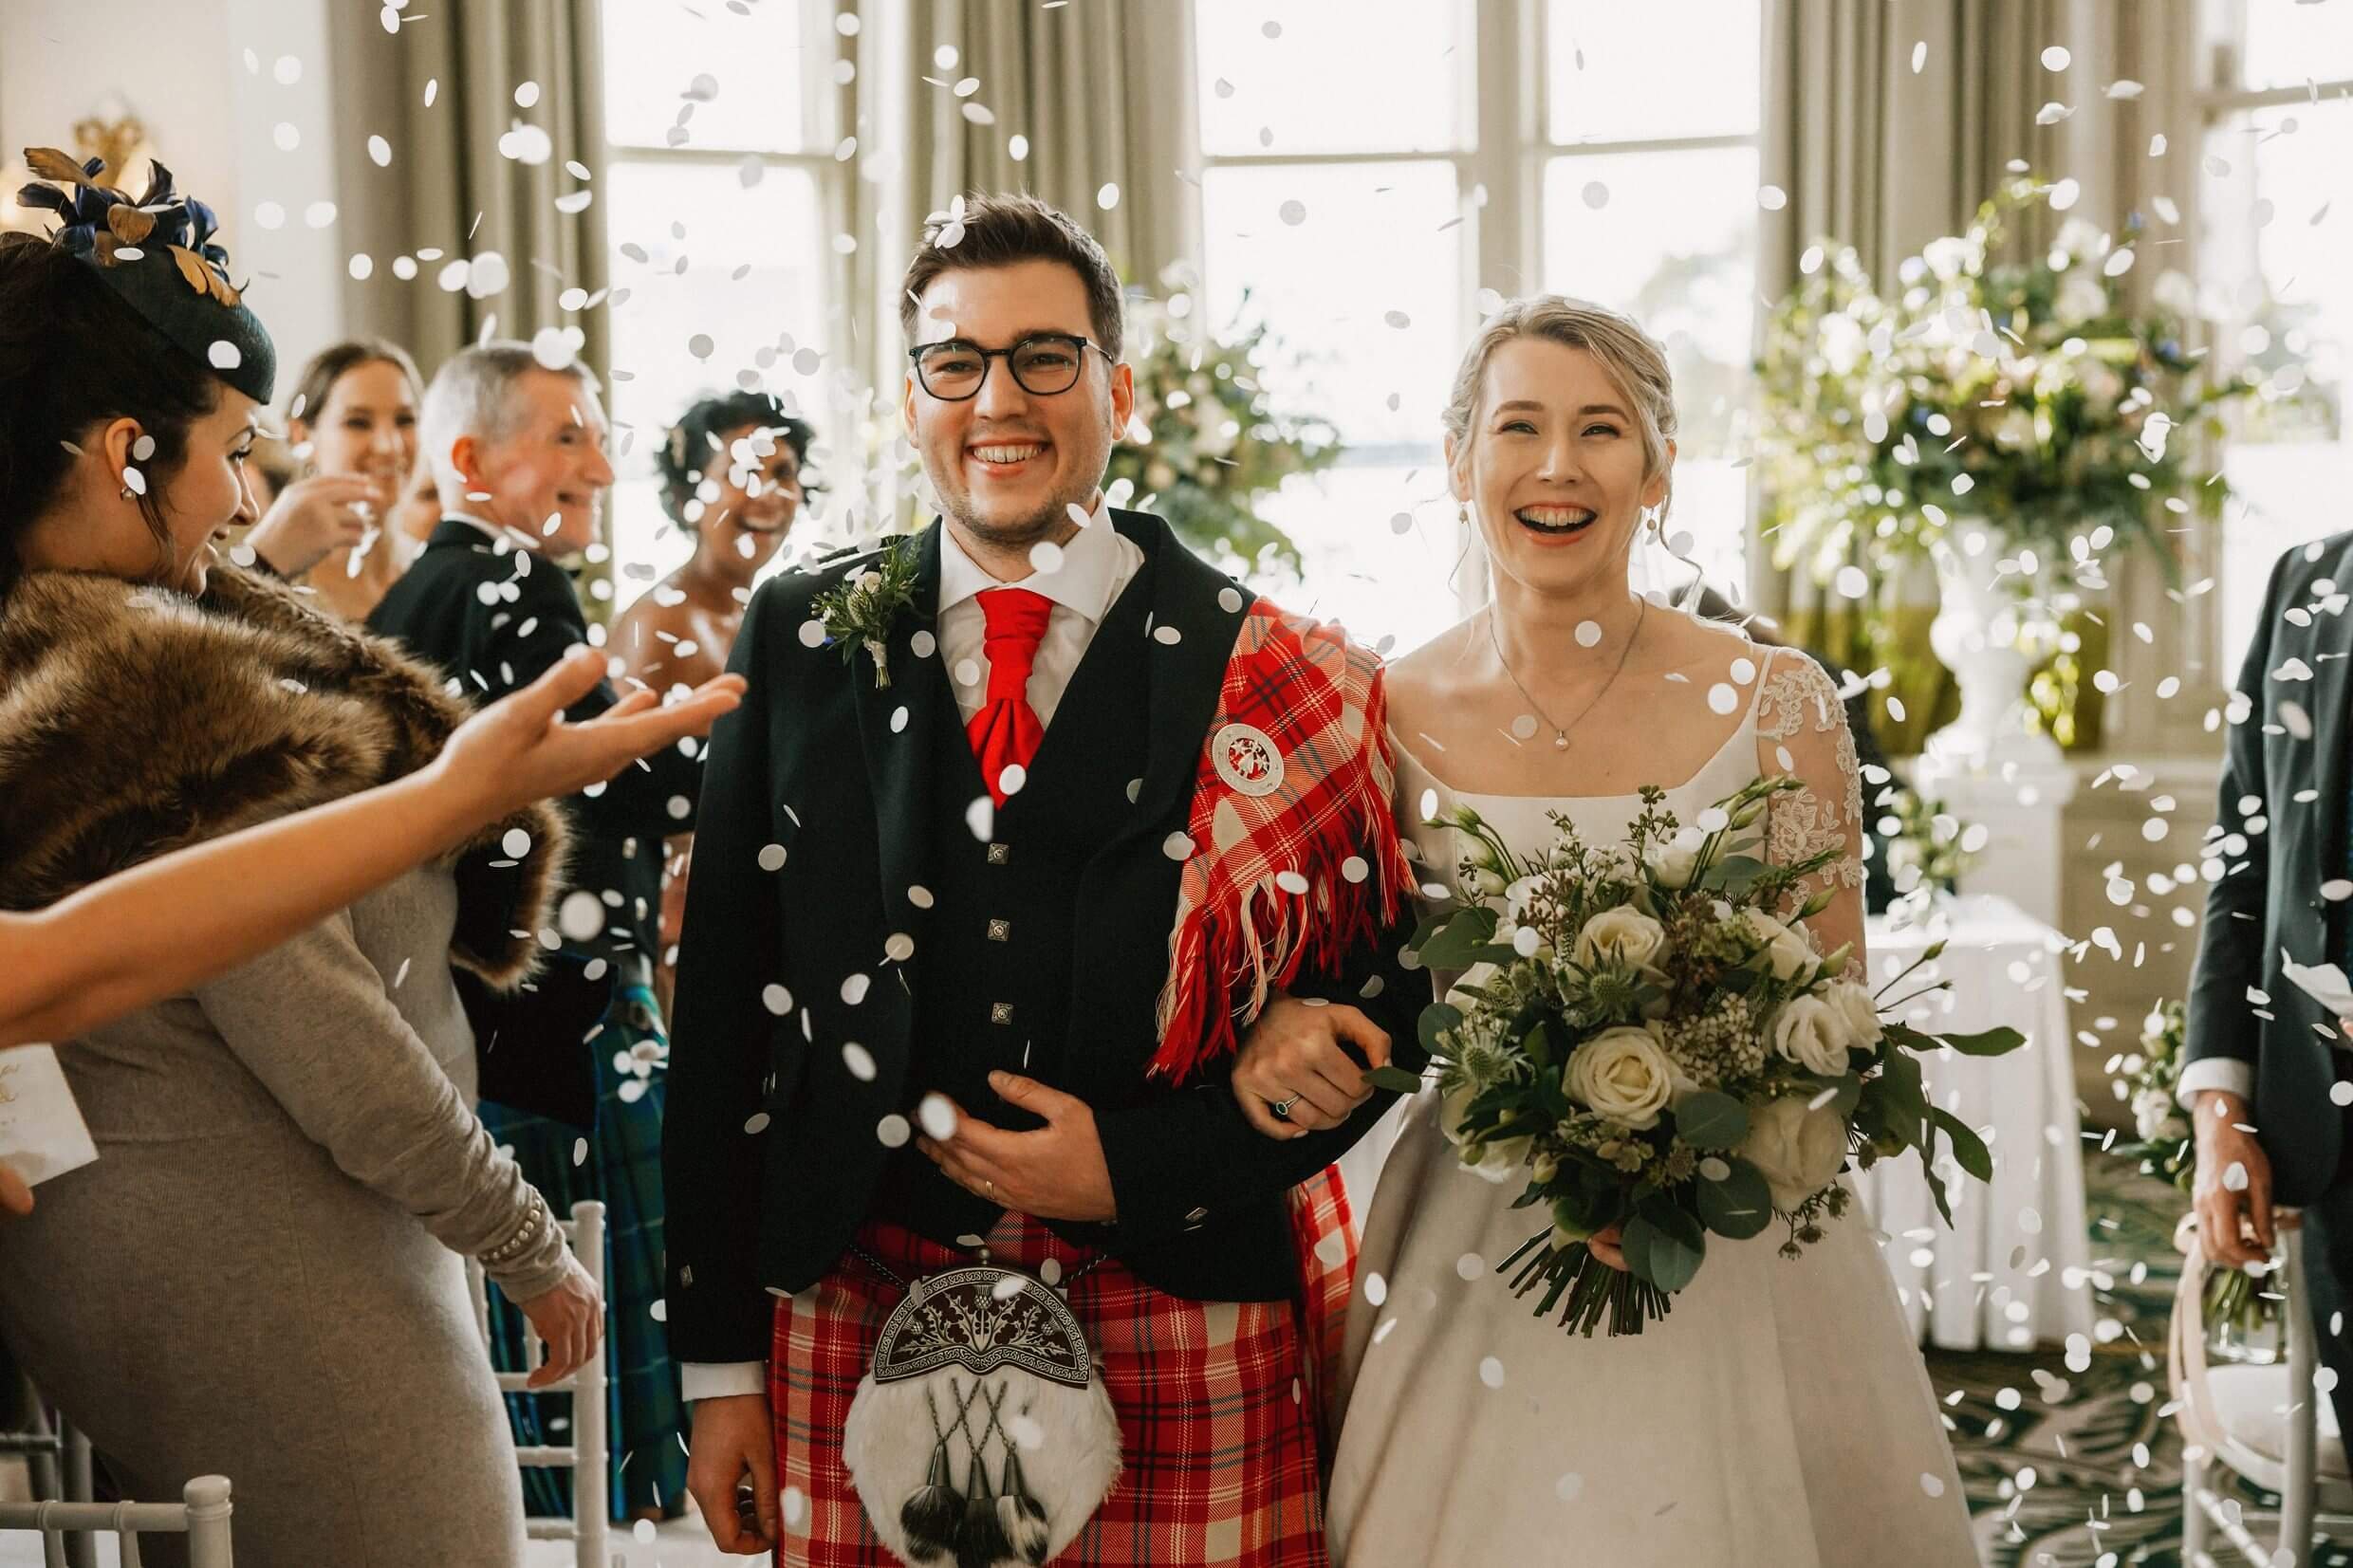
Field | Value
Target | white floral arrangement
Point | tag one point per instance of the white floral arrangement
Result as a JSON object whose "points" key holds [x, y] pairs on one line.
{"points": [[1647, 1034]]}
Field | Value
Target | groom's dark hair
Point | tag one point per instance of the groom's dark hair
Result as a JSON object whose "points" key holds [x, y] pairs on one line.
{"points": [[1001, 229]]}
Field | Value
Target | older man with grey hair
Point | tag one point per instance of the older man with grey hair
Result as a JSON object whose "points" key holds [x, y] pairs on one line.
{"points": [[517, 451]]}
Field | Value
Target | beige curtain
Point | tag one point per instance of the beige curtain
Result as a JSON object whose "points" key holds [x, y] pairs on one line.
{"points": [[449, 185], [1102, 93], [1885, 155]]}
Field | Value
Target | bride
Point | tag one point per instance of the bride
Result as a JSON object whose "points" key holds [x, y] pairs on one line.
{"points": [[1780, 1417]]}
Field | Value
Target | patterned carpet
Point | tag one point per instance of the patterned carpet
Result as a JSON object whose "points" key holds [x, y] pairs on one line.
{"points": [[2083, 1472]]}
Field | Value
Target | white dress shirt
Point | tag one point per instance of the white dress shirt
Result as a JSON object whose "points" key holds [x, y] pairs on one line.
{"points": [[1097, 565], [2226, 1073]]}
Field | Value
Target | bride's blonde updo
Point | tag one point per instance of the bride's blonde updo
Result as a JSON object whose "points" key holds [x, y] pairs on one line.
{"points": [[1631, 356]]}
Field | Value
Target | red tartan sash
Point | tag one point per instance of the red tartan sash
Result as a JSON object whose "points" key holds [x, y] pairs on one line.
{"points": [[1291, 852]]}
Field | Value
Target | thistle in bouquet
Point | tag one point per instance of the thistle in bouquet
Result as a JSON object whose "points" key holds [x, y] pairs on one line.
{"points": [[1646, 1035], [2165, 1146]]}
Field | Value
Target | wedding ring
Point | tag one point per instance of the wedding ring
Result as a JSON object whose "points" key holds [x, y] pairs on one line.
{"points": [[1281, 1108], [990, 1188]]}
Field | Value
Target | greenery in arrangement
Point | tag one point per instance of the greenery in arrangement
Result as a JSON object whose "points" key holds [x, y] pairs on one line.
{"points": [[1214, 443], [2165, 1146], [2029, 394], [1928, 847], [1646, 1034]]}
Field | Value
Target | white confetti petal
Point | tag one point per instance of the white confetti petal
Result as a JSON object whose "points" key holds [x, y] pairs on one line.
{"points": [[892, 1132], [756, 1123], [853, 990], [772, 858], [858, 1060], [580, 916], [938, 1116], [776, 1000]]}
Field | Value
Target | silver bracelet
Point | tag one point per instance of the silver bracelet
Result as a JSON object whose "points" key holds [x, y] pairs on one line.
{"points": [[524, 1234]]}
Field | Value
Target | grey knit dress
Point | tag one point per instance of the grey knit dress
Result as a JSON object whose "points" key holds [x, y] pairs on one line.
{"points": [[261, 1274]]}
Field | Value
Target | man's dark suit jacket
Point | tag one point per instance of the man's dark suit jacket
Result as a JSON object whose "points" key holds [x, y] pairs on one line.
{"points": [[495, 620], [771, 1157], [2281, 837]]}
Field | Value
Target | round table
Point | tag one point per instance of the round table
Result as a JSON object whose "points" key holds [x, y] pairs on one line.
{"points": [[2011, 1271]]}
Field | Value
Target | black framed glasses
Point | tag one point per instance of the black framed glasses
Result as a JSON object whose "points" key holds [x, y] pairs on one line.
{"points": [[1043, 363]]}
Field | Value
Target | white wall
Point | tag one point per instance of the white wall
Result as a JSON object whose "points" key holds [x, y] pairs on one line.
{"points": [[181, 67]]}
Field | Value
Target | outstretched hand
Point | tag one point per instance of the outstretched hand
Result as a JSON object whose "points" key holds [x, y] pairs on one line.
{"points": [[519, 749], [1057, 1172]]}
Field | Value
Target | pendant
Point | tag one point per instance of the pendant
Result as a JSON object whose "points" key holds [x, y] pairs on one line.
{"points": [[1559, 740]]}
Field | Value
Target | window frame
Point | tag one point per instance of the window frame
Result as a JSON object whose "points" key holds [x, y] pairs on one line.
{"points": [[835, 182], [1504, 80]]}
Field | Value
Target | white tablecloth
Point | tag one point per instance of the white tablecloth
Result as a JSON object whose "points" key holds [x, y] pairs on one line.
{"points": [[2011, 1271]]}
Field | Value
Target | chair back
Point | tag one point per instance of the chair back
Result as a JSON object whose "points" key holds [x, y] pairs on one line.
{"points": [[586, 1455], [201, 1515]]}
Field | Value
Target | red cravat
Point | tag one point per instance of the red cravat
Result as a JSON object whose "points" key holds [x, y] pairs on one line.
{"points": [[1006, 732]]}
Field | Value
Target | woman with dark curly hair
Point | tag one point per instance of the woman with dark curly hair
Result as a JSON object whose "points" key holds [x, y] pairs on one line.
{"points": [[733, 474]]}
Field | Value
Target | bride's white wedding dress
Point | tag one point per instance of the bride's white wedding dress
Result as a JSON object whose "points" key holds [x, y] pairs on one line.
{"points": [[1778, 1417]]}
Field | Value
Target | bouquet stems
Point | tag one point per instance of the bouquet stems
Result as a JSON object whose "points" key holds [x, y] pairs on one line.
{"points": [[1588, 1291]]}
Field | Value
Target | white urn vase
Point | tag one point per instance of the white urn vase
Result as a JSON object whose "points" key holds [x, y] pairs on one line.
{"points": [[1976, 633], [1987, 765]]}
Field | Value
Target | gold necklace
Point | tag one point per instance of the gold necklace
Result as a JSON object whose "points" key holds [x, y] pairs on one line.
{"points": [[1559, 731]]}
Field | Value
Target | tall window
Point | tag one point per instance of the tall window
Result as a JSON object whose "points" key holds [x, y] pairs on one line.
{"points": [[1375, 176], [1650, 204], [2278, 222], [721, 192]]}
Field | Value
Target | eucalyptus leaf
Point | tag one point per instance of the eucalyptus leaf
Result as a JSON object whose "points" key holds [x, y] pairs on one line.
{"points": [[1436, 1018], [1396, 1079], [1740, 1204], [1454, 946], [1664, 1245], [1708, 1119]]}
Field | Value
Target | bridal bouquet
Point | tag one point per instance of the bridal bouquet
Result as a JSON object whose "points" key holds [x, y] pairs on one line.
{"points": [[1644, 1037]]}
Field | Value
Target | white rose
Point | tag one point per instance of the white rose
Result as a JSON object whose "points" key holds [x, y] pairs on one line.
{"points": [[1797, 1148], [2152, 1109], [1674, 863], [1854, 1005], [1812, 1033], [1622, 1075], [1625, 934], [1497, 1157], [1792, 954]]}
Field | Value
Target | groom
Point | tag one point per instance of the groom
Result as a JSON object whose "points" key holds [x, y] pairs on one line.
{"points": [[1025, 822]]}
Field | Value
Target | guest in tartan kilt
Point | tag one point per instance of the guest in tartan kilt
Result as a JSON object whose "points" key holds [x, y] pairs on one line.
{"points": [[1026, 824]]}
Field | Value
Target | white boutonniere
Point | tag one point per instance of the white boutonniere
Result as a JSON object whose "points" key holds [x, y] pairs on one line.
{"points": [[858, 611]]}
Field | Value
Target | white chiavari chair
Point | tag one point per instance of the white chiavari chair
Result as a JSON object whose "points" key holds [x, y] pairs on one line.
{"points": [[201, 1515], [588, 1452]]}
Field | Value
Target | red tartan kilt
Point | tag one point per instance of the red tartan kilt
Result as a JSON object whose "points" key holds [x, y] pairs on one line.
{"points": [[1215, 1404]]}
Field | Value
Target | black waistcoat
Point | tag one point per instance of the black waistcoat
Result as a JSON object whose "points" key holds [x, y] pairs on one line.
{"points": [[997, 953]]}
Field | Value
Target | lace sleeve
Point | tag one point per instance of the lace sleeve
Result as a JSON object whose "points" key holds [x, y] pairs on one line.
{"points": [[1801, 728]]}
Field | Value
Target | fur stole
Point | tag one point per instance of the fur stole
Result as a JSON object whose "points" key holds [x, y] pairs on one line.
{"points": [[134, 720]]}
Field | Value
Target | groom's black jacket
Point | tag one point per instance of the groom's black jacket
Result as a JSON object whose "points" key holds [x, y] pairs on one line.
{"points": [[2283, 796], [1059, 911]]}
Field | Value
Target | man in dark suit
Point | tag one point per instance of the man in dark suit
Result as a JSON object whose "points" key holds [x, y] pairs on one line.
{"points": [[518, 449], [963, 965], [2266, 1078]]}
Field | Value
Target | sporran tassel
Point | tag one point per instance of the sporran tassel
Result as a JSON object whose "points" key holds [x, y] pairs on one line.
{"points": [[982, 1542], [1021, 1515], [932, 1512]]}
